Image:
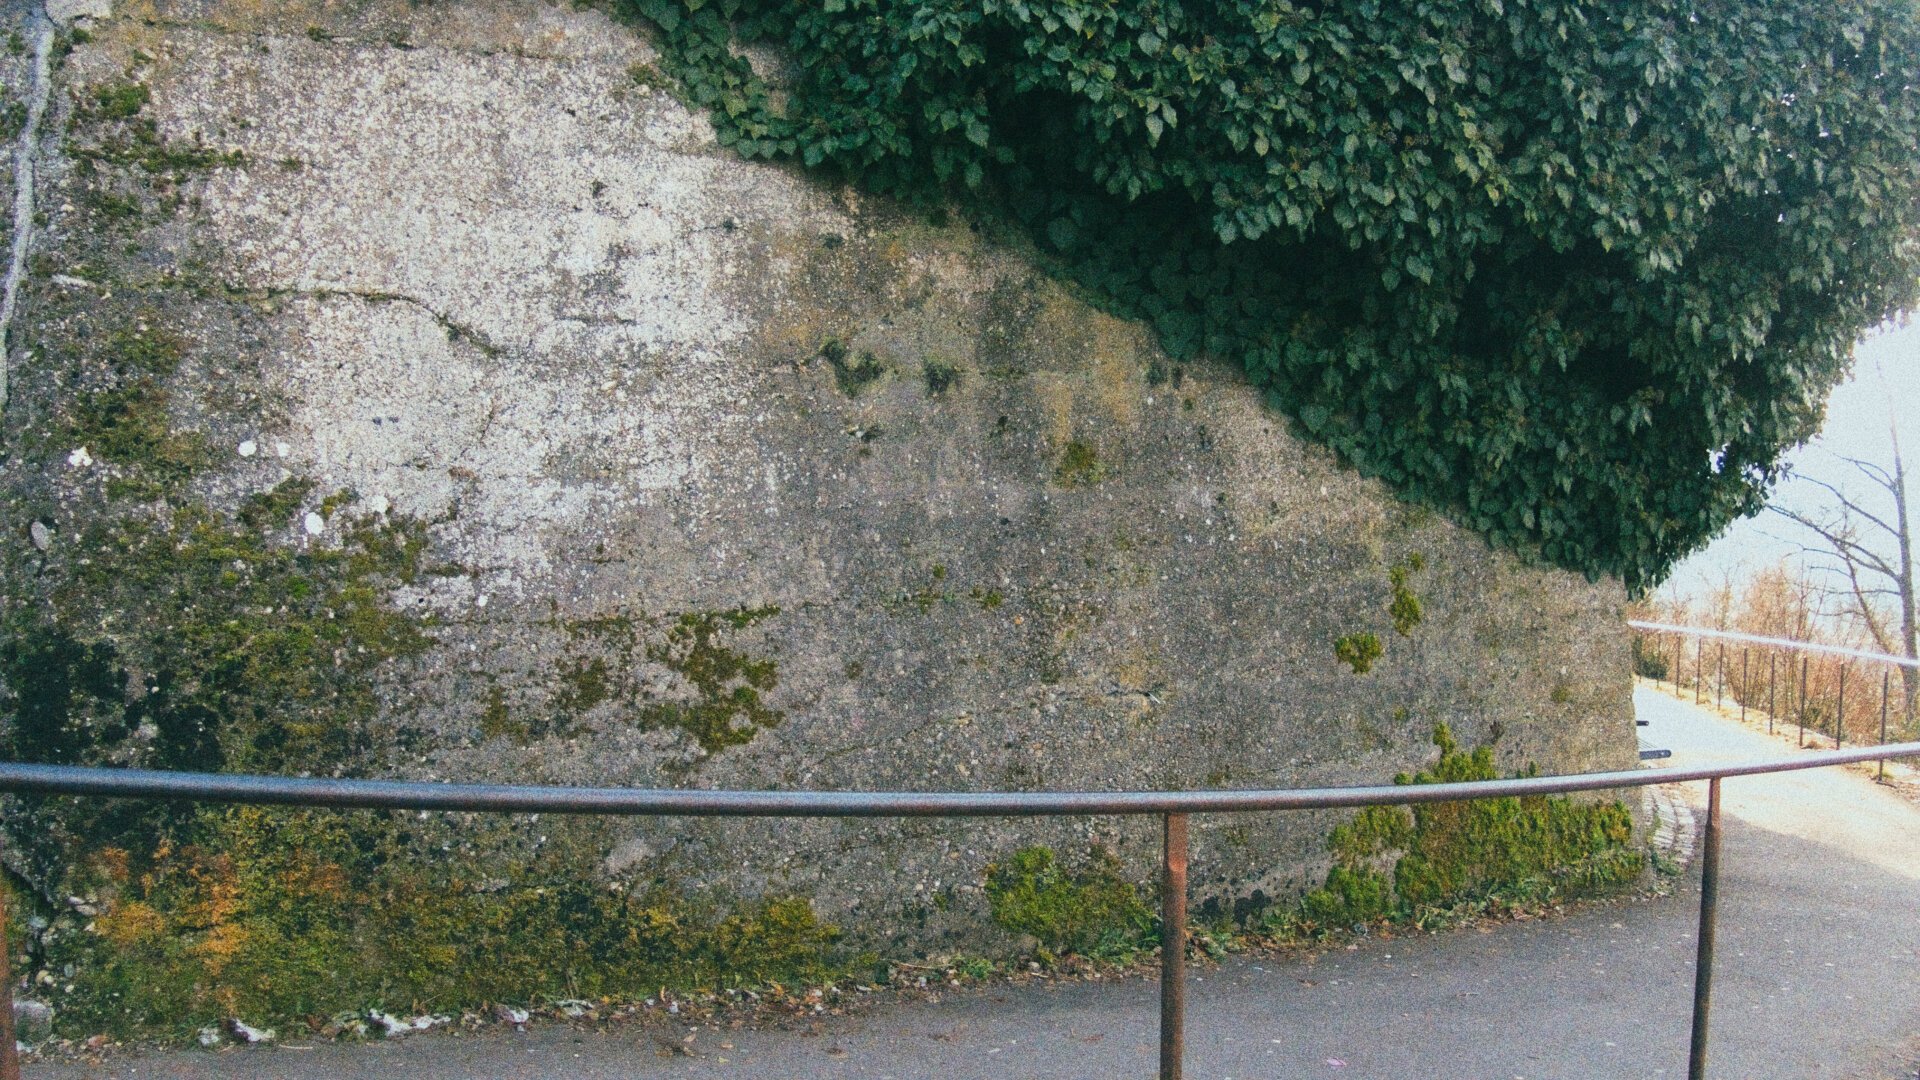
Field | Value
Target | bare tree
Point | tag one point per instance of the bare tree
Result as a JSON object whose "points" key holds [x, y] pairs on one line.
{"points": [[1869, 552]]}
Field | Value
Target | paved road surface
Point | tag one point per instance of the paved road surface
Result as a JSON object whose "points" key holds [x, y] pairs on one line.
{"points": [[1819, 977]]}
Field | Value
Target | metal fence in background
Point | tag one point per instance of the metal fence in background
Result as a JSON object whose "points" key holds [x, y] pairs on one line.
{"points": [[1172, 807], [1805, 683]]}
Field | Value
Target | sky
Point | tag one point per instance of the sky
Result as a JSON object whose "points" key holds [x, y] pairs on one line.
{"points": [[1884, 389]]}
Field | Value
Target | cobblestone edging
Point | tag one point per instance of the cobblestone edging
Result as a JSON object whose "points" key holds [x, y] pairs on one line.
{"points": [[1673, 823]]}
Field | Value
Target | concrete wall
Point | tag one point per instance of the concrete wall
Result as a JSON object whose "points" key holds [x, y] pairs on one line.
{"points": [[736, 479]]}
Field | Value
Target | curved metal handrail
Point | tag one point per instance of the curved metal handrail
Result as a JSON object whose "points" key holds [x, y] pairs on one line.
{"points": [[1172, 807], [23, 778]]}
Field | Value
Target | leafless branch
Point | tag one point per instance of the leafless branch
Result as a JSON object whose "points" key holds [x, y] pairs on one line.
{"points": [[1849, 505], [1843, 544]]}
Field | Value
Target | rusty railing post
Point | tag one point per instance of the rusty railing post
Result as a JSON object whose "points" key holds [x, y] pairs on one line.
{"points": [[1886, 684], [9, 1049], [1173, 947], [1703, 955]]}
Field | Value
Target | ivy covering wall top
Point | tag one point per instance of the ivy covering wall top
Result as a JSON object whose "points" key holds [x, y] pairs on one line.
{"points": [[1576, 273]]}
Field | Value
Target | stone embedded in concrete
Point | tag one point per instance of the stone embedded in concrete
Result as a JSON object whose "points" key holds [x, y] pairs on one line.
{"points": [[32, 1021], [65, 12]]}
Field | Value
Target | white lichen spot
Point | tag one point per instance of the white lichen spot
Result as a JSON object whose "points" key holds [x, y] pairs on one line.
{"points": [[392, 1025], [315, 524], [281, 449], [379, 504], [247, 1033], [249, 448], [80, 459], [481, 600]]}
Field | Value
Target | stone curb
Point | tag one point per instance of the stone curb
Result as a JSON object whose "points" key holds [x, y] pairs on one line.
{"points": [[1674, 823]]}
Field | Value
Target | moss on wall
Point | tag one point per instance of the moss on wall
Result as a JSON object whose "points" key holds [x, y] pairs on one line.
{"points": [[1406, 609], [282, 916], [1358, 651], [1391, 862], [1079, 465], [1089, 911], [727, 708]]}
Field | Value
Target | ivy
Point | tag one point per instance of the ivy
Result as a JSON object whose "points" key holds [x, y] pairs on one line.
{"points": [[1577, 275]]}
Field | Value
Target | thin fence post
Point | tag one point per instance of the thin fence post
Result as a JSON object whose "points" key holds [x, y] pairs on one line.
{"points": [[1720, 678], [1840, 714], [1886, 685], [1173, 947], [1703, 955], [1771, 711], [1679, 658], [9, 1049], [1803, 702], [1744, 692], [1699, 666]]}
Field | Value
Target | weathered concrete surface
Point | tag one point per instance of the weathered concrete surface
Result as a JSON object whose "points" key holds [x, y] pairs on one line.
{"points": [[738, 480]]}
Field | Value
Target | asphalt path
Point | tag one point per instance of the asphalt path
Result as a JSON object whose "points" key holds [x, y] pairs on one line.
{"points": [[1818, 976]]}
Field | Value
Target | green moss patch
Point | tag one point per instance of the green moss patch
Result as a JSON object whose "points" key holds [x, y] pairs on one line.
{"points": [[1394, 863], [1358, 651], [1079, 466], [290, 916], [120, 101], [120, 159], [266, 645], [940, 377], [851, 373], [1405, 609], [727, 709], [1090, 911]]}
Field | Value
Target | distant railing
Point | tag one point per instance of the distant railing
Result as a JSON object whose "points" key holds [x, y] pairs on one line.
{"points": [[1807, 700], [1172, 807]]}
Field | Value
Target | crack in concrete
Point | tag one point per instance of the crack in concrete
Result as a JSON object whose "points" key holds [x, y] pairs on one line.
{"points": [[23, 188], [456, 331]]}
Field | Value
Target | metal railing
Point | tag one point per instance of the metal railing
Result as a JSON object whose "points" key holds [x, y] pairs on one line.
{"points": [[1172, 807]]}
